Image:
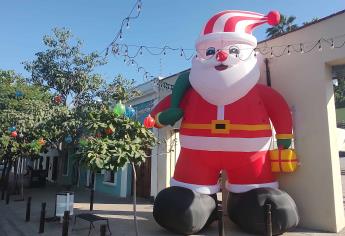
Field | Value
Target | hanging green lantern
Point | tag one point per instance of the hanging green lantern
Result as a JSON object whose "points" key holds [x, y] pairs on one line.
{"points": [[119, 109], [83, 142]]}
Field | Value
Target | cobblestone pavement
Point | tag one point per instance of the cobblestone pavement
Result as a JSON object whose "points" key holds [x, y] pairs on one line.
{"points": [[119, 211]]}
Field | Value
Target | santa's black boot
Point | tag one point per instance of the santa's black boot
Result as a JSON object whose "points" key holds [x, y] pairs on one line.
{"points": [[247, 210], [181, 210]]}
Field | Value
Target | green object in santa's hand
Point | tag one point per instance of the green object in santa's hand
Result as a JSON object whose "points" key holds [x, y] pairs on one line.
{"points": [[170, 116], [284, 143]]}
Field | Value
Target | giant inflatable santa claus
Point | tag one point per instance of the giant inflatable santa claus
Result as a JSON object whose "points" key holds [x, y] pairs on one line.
{"points": [[226, 125]]}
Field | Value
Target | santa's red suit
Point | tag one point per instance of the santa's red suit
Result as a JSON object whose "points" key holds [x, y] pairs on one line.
{"points": [[235, 138]]}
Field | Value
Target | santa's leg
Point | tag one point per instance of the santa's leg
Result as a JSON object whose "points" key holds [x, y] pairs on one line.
{"points": [[189, 204], [253, 186]]}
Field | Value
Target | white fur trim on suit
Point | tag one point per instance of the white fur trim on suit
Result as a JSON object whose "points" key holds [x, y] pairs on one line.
{"points": [[204, 189], [241, 188], [225, 144]]}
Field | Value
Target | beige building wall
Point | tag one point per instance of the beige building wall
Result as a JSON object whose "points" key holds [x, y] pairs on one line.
{"points": [[164, 155], [305, 82]]}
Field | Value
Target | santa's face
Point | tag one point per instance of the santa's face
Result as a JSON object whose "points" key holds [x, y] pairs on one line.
{"points": [[224, 71]]}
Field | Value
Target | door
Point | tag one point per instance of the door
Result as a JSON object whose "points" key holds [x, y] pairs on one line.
{"points": [[144, 179]]}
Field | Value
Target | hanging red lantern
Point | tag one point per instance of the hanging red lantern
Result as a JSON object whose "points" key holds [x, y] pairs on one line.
{"points": [[14, 134], [108, 131], [41, 141], [58, 99], [149, 122], [98, 135]]}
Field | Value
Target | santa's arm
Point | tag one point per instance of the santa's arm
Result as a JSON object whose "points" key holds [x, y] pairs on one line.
{"points": [[279, 113], [169, 110], [161, 106]]}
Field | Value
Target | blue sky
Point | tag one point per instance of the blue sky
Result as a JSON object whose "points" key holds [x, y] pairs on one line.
{"points": [[175, 23]]}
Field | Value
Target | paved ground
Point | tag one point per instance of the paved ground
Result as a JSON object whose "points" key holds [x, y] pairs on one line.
{"points": [[119, 211]]}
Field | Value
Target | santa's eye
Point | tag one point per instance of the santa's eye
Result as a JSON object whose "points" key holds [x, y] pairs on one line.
{"points": [[234, 50], [210, 51]]}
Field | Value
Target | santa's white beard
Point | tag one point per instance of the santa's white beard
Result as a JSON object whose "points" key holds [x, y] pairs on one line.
{"points": [[223, 87]]}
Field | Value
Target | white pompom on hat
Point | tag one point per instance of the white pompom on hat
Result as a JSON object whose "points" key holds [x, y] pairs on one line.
{"points": [[235, 25]]}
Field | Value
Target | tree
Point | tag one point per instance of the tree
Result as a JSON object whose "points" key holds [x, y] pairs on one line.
{"points": [[311, 21], [23, 108], [64, 69], [285, 25], [112, 140]]}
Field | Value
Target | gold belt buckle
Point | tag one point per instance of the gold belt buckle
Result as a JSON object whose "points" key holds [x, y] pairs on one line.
{"points": [[220, 126]]}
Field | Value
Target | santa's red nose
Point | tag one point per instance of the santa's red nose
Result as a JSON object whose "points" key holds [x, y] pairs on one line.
{"points": [[221, 56]]}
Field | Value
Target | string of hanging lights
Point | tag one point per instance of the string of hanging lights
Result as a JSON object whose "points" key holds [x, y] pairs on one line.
{"points": [[283, 50], [122, 50], [125, 23]]}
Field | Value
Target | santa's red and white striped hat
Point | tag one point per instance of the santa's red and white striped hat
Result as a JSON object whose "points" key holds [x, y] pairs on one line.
{"points": [[236, 26]]}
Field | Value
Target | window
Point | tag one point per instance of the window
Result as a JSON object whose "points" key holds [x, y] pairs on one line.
{"points": [[110, 178]]}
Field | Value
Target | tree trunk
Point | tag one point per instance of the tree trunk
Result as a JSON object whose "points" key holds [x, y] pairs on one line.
{"points": [[7, 177], [2, 181], [15, 175], [21, 178], [135, 199], [60, 159], [92, 193]]}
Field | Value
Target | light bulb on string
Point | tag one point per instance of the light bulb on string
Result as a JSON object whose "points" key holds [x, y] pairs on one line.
{"points": [[301, 48], [271, 54], [126, 52], [140, 51], [332, 44], [120, 35], [181, 54], [320, 46], [255, 53], [139, 6], [288, 50], [127, 24], [164, 53]]}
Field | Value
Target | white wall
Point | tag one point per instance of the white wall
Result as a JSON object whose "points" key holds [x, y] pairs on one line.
{"points": [[305, 81]]}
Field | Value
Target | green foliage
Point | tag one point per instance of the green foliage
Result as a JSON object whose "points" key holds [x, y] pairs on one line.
{"points": [[314, 19], [120, 89], [339, 93], [25, 112], [106, 141], [285, 25], [128, 141], [65, 69]]}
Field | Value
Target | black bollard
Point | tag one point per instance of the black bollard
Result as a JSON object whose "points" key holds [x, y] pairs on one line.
{"points": [[7, 197], [220, 219], [65, 223], [103, 229], [42, 218], [28, 210], [268, 216], [91, 199]]}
